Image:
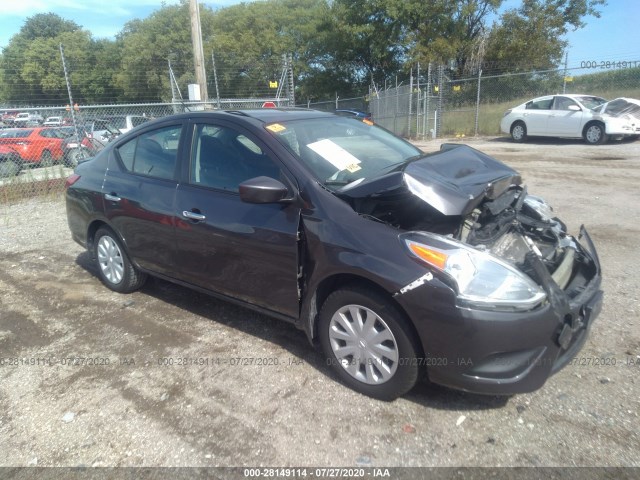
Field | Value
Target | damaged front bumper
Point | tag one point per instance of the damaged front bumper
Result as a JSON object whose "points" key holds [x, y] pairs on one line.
{"points": [[498, 352]]}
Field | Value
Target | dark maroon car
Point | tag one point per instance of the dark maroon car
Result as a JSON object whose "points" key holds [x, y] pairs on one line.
{"points": [[393, 261]]}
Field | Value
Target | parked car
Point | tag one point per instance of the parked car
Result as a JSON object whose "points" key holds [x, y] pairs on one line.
{"points": [[8, 117], [567, 116], [40, 145], [124, 123], [10, 162], [26, 119], [78, 145], [101, 130], [53, 122], [393, 261]]}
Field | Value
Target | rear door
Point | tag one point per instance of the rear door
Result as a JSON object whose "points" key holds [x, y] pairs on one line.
{"points": [[246, 251], [536, 115], [139, 195]]}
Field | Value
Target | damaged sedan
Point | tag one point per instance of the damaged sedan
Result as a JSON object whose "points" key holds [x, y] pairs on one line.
{"points": [[573, 116], [398, 265]]}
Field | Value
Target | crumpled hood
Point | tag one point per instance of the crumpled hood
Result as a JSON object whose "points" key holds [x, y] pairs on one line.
{"points": [[620, 107], [453, 181]]}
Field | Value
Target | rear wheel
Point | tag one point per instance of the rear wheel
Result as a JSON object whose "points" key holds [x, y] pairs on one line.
{"points": [[114, 267], [519, 132], [594, 134], [368, 343], [10, 167], [46, 160], [75, 156]]}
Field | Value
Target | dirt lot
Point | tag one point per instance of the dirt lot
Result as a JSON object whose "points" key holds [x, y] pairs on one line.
{"points": [[135, 402]]}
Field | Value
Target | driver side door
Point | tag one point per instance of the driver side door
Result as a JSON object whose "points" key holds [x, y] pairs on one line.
{"points": [[241, 250]]}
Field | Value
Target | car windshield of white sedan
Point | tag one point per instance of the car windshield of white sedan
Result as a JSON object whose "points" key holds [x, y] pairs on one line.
{"points": [[591, 102], [341, 150]]}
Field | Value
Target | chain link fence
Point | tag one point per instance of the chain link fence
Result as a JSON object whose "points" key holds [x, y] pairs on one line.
{"points": [[40, 145], [52, 117], [432, 104]]}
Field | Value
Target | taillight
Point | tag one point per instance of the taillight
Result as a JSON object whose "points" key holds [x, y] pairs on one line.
{"points": [[71, 179]]}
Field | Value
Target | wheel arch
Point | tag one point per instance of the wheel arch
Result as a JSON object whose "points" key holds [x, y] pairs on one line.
{"points": [[603, 126], [349, 280], [592, 122]]}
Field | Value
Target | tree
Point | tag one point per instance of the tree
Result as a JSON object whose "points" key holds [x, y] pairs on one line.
{"points": [[31, 63], [249, 40], [147, 45], [531, 37]]}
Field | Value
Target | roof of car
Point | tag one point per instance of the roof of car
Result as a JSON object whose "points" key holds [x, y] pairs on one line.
{"points": [[265, 115]]}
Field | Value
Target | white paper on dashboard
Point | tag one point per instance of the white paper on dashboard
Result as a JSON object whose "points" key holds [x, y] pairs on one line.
{"points": [[335, 155]]}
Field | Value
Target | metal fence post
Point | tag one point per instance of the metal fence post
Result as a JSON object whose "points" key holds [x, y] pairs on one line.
{"points": [[418, 103], [71, 106], [425, 121], [478, 102], [440, 100], [410, 104]]}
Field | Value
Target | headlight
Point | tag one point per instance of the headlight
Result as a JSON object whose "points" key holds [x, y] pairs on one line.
{"points": [[482, 279]]}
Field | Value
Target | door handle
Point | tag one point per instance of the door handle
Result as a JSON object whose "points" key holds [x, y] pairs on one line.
{"points": [[112, 197], [193, 216]]}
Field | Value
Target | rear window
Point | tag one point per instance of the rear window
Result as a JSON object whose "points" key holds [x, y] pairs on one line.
{"points": [[15, 133], [544, 104]]}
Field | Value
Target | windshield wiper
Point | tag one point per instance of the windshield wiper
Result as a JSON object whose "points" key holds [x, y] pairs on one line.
{"points": [[406, 161]]}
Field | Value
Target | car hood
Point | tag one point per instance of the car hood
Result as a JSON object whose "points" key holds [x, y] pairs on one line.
{"points": [[621, 107], [453, 181]]}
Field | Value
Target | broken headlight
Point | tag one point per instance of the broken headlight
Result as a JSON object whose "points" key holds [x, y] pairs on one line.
{"points": [[482, 279]]}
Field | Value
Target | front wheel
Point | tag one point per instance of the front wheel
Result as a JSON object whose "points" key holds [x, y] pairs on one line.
{"points": [[595, 134], [114, 267], [519, 132], [368, 343]]}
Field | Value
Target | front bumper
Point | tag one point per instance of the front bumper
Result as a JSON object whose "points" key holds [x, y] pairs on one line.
{"points": [[504, 353]]}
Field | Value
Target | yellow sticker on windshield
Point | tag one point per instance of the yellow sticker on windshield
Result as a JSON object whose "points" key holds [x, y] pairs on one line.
{"points": [[353, 168], [276, 127], [367, 121]]}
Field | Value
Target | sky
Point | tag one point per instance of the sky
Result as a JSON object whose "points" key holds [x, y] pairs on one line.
{"points": [[615, 37]]}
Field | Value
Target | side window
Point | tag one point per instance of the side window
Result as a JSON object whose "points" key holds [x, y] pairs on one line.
{"points": [[223, 158], [152, 153], [563, 103], [544, 104]]}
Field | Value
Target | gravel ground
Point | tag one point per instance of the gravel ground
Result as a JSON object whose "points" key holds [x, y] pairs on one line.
{"points": [[134, 404]]}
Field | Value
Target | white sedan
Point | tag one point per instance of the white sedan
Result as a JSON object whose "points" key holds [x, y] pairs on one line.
{"points": [[573, 116]]}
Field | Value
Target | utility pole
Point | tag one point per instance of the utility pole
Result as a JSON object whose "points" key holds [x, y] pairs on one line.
{"points": [[198, 52], [566, 64]]}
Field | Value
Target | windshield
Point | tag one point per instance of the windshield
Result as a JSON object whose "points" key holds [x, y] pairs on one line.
{"points": [[342, 150], [591, 102]]}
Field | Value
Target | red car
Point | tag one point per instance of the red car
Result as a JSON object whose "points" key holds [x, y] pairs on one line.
{"points": [[34, 145]]}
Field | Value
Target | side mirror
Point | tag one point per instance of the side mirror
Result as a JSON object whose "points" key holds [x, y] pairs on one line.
{"points": [[262, 190], [575, 108]]}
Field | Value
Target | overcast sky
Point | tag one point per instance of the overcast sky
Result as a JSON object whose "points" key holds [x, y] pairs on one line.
{"points": [[613, 37]]}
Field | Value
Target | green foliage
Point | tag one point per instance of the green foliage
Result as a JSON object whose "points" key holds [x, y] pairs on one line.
{"points": [[531, 36], [339, 47]]}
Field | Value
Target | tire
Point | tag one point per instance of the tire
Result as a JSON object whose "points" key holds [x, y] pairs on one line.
{"points": [[114, 267], [46, 159], [594, 134], [519, 132], [75, 156], [10, 167], [385, 369]]}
